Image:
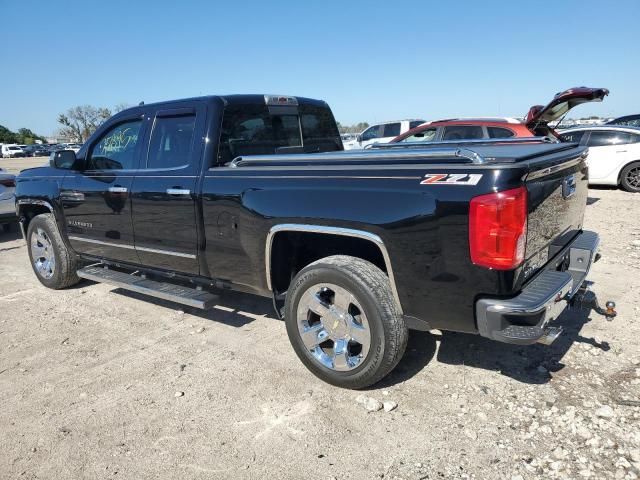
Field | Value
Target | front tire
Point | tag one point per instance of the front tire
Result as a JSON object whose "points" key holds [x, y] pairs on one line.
{"points": [[343, 322], [630, 177], [54, 265]]}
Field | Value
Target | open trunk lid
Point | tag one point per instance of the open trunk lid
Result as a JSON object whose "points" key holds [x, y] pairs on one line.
{"points": [[557, 189], [540, 115]]}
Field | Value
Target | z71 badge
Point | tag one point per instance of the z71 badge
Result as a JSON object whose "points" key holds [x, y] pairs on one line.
{"points": [[451, 179]]}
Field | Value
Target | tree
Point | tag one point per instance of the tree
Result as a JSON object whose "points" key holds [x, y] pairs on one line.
{"points": [[6, 135], [81, 121]]}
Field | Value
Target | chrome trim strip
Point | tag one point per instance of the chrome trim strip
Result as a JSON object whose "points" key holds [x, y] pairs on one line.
{"points": [[132, 247], [474, 142], [33, 201], [166, 252], [556, 168], [100, 242], [346, 232]]}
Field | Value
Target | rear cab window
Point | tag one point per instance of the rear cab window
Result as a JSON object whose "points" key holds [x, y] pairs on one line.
{"points": [[255, 129]]}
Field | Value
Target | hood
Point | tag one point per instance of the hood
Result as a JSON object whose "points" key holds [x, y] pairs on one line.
{"points": [[562, 103]]}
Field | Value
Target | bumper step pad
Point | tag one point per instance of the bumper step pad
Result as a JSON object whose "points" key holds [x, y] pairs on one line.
{"points": [[167, 291]]}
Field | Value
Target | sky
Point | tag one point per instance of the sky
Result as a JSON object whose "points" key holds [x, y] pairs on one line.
{"points": [[371, 61]]}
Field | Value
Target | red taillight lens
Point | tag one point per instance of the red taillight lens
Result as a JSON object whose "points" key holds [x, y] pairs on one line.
{"points": [[8, 182], [498, 229]]}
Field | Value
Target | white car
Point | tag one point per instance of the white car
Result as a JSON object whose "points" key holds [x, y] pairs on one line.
{"points": [[381, 133], [11, 151], [614, 154], [7, 200]]}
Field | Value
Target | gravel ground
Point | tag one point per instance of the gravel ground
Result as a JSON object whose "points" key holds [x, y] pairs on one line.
{"points": [[96, 382]]}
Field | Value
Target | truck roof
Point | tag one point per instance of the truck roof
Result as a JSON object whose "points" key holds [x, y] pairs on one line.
{"points": [[233, 99]]}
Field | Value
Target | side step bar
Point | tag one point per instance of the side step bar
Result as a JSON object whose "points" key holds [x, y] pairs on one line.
{"points": [[167, 291]]}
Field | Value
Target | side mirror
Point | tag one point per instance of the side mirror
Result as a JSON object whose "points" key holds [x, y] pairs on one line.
{"points": [[359, 138], [62, 159]]}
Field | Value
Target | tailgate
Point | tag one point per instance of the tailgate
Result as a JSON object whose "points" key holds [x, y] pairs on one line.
{"points": [[558, 191]]}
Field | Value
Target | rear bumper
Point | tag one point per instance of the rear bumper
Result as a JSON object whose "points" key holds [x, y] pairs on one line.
{"points": [[522, 319]]}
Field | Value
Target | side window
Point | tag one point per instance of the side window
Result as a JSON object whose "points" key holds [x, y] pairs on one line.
{"points": [[428, 135], [391, 130], [415, 123], [635, 138], [371, 133], [605, 138], [499, 132], [574, 137], [116, 148], [171, 142], [463, 132]]}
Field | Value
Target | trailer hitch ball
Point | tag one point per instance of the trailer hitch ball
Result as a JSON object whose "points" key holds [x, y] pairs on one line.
{"points": [[610, 311]]}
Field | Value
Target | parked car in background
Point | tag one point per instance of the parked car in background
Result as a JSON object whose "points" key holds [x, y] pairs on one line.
{"points": [[627, 120], [7, 200], [36, 151], [465, 129], [536, 122], [348, 137], [381, 133], [73, 146], [11, 151], [614, 154]]}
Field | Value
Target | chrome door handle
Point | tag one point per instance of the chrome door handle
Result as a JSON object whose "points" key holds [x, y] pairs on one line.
{"points": [[178, 191], [621, 151], [118, 189]]}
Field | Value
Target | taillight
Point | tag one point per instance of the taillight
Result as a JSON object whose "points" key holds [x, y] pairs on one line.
{"points": [[498, 229], [7, 182]]}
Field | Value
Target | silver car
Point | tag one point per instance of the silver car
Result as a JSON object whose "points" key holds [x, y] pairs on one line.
{"points": [[7, 200]]}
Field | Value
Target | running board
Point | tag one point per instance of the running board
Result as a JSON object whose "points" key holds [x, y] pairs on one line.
{"points": [[167, 291]]}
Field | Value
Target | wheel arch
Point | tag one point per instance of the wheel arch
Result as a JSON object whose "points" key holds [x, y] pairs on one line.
{"points": [[27, 208], [376, 251], [625, 166]]}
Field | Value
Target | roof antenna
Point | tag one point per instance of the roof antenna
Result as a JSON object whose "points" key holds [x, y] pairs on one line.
{"points": [[141, 103]]}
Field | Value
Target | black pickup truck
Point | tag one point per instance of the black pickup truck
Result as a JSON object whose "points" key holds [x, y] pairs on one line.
{"points": [[182, 199]]}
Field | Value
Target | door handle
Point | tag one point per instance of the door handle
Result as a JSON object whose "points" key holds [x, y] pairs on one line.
{"points": [[178, 191], [621, 151], [118, 189]]}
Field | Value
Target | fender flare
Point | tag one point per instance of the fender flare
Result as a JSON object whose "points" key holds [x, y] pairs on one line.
{"points": [[322, 229]]}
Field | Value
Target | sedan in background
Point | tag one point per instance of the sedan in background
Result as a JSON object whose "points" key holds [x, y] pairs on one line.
{"points": [[614, 154], [7, 200]]}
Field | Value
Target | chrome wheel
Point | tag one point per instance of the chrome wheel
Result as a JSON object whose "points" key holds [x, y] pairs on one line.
{"points": [[633, 177], [42, 254], [333, 327]]}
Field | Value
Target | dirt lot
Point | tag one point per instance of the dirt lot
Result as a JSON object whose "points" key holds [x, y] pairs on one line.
{"points": [[89, 379]]}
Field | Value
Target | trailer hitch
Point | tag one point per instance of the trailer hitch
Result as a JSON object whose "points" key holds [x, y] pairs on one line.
{"points": [[587, 298]]}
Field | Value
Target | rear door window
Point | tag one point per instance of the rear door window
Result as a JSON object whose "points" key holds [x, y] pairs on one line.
{"points": [[499, 132], [463, 132], [608, 137], [171, 144], [391, 130]]}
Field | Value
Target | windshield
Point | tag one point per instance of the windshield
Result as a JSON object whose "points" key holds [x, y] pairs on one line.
{"points": [[256, 130], [427, 135]]}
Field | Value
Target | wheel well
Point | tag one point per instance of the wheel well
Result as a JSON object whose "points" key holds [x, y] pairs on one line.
{"points": [[28, 211], [291, 251], [623, 167]]}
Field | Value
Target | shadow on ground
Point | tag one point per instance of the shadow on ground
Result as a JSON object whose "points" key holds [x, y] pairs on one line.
{"points": [[234, 309], [520, 362]]}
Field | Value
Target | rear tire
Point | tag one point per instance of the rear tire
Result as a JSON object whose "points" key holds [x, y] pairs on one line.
{"points": [[52, 262], [630, 177], [359, 335]]}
